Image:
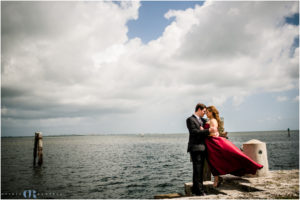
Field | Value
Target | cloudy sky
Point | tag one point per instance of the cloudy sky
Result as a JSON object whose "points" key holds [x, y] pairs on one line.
{"points": [[141, 67]]}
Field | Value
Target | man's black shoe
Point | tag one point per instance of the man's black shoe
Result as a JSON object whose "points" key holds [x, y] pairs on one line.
{"points": [[199, 194], [202, 194]]}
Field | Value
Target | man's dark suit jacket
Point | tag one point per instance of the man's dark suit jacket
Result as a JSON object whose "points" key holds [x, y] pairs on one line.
{"points": [[197, 136]]}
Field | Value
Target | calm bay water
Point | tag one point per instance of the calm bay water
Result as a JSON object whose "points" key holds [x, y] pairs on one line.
{"points": [[118, 166]]}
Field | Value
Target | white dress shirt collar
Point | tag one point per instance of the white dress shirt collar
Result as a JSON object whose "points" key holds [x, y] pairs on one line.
{"points": [[197, 117]]}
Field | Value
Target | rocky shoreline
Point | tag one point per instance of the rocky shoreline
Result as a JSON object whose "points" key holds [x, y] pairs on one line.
{"points": [[279, 184]]}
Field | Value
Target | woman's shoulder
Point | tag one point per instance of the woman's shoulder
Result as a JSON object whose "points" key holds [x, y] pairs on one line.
{"points": [[213, 120]]}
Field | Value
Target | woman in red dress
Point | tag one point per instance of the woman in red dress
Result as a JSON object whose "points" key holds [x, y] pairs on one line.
{"points": [[223, 156]]}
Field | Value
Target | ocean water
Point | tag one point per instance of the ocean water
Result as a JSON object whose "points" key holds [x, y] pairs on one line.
{"points": [[117, 166]]}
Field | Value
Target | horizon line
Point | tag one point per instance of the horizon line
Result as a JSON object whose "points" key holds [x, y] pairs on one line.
{"points": [[106, 134]]}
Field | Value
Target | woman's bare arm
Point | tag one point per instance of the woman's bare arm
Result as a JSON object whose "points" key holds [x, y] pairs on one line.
{"points": [[213, 123]]}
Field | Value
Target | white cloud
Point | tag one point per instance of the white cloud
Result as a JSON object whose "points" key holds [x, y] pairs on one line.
{"points": [[73, 59], [270, 119], [282, 98], [62, 53]]}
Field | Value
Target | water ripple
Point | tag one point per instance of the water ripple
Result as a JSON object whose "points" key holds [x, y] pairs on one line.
{"points": [[123, 166]]}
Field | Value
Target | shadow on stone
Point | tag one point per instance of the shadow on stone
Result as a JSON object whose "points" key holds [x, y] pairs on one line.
{"points": [[237, 183], [212, 190]]}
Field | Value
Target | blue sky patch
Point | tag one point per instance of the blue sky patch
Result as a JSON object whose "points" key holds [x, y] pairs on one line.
{"points": [[151, 21]]}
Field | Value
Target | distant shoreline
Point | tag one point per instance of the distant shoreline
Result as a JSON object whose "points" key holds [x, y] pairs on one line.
{"points": [[137, 134]]}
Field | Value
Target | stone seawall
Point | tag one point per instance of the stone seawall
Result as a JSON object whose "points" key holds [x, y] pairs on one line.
{"points": [[279, 184]]}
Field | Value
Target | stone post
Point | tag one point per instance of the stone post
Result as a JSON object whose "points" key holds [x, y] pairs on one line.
{"points": [[257, 151]]}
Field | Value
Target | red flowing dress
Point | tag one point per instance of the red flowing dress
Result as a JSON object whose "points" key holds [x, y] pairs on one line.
{"points": [[225, 158]]}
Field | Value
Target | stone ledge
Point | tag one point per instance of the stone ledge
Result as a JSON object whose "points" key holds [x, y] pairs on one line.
{"points": [[279, 184], [168, 196]]}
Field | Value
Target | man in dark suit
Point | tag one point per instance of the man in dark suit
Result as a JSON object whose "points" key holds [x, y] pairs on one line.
{"points": [[196, 145]]}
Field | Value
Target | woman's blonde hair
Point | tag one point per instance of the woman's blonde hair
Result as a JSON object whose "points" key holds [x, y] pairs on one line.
{"points": [[215, 114]]}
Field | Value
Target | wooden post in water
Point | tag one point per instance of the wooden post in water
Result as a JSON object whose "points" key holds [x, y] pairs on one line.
{"points": [[38, 148], [35, 149]]}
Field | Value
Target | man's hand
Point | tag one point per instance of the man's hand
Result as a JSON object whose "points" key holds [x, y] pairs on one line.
{"points": [[214, 134], [213, 131]]}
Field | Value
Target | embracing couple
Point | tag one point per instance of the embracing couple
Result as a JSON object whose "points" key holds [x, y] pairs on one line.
{"points": [[204, 143]]}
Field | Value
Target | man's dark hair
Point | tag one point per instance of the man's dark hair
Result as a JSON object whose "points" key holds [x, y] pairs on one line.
{"points": [[201, 106]]}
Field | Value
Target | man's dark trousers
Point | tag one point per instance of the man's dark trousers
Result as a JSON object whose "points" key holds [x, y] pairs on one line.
{"points": [[198, 158], [196, 148]]}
